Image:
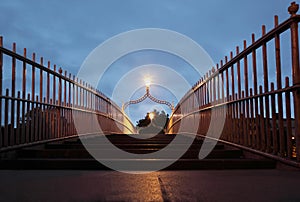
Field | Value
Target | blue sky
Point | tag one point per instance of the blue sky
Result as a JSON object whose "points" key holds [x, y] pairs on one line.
{"points": [[65, 32]]}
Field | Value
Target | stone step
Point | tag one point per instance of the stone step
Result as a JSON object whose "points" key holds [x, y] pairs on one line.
{"points": [[124, 146], [71, 154], [182, 164], [82, 153]]}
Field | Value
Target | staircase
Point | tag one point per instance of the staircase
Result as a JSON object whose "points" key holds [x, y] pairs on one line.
{"points": [[71, 154]]}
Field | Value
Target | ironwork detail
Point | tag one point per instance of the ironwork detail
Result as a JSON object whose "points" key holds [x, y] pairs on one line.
{"points": [[145, 96]]}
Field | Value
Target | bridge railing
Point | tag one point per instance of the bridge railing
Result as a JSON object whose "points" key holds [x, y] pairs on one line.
{"points": [[259, 88], [37, 102]]}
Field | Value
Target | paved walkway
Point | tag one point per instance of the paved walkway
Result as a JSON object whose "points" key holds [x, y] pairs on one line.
{"points": [[228, 185]]}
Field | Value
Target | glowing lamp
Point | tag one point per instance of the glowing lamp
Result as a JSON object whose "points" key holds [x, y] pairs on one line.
{"points": [[147, 82], [151, 116]]}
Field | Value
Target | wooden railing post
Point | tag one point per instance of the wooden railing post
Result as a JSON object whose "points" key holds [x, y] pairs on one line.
{"points": [[296, 74]]}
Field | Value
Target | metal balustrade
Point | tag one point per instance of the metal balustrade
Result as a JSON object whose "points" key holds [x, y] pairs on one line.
{"points": [[39, 103], [260, 114]]}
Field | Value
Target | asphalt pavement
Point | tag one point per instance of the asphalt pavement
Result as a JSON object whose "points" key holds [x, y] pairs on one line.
{"points": [[203, 185]]}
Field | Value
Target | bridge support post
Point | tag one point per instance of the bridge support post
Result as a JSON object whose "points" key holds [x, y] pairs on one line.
{"points": [[296, 74]]}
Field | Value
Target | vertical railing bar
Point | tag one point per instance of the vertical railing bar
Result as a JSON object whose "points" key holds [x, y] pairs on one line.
{"points": [[243, 120], [232, 77], [254, 76], [13, 94], [218, 85], [210, 89], [77, 94], [246, 95], [41, 100], [279, 86], [48, 85], [36, 120], [6, 129], [288, 121], [235, 122], [44, 118], [266, 89], [65, 89], [59, 104], [52, 120], [1, 70], [274, 123], [41, 80], [24, 75], [252, 120], [227, 85], [238, 74], [33, 78], [54, 86], [70, 105], [262, 121], [28, 134], [18, 134], [214, 88], [295, 73], [1, 91]]}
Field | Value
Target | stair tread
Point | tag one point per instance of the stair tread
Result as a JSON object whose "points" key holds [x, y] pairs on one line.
{"points": [[71, 154]]}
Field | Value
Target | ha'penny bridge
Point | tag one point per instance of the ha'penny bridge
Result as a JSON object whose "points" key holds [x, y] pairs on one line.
{"points": [[262, 118]]}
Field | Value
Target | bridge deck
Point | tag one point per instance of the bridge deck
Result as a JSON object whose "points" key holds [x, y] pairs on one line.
{"points": [[225, 185]]}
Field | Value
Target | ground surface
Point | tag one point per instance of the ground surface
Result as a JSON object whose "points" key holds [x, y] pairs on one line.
{"points": [[228, 185]]}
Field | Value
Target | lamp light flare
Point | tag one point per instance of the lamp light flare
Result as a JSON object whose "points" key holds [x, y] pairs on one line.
{"points": [[151, 116], [147, 81]]}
